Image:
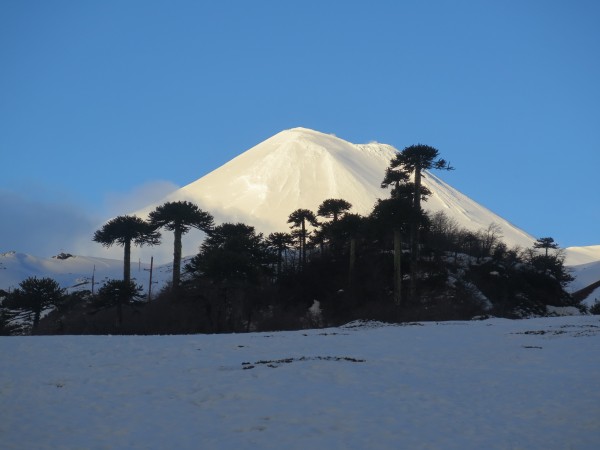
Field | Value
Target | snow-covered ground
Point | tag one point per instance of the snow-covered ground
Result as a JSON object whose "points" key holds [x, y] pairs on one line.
{"points": [[494, 384], [584, 266]]}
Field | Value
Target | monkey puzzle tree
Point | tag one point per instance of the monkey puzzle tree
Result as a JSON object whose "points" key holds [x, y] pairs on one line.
{"points": [[552, 264], [118, 293], [333, 208], [394, 213], [179, 217], [414, 160], [232, 265], [231, 252], [298, 219], [396, 179], [123, 231], [546, 243], [33, 296], [280, 242], [347, 229]]}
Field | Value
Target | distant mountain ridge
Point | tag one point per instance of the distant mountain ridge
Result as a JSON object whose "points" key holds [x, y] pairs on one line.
{"points": [[76, 272]]}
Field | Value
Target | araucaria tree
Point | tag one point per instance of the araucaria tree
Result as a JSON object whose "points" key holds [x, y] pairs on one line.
{"points": [[118, 293], [279, 242], [179, 217], [546, 243], [394, 213], [34, 295], [232, 252], [347, 229], [298, 219], [552, 264], [123, 231], [414, 160], [333, 208]]}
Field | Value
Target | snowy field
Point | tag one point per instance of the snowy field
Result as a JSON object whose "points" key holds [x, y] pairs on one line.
{"points": [[494, 384]]}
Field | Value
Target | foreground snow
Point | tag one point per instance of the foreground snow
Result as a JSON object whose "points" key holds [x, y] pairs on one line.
{"points": [[530, 384]]}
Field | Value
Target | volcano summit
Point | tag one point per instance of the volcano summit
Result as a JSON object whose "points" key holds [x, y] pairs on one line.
{"points": [[299, 168]]}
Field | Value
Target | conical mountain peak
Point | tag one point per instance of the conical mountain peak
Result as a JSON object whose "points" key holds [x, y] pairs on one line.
{"points": [[300, 167]]}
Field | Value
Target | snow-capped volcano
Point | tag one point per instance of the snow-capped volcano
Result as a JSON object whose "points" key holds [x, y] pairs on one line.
{"points": [[296, 168], [299, 168]]}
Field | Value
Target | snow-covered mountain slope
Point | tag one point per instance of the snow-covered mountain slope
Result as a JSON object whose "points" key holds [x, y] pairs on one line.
{"points": [[575, 256], [75, 272], [584, 266], [586, 273], [585, 276], [299, 168], [296, 168]]}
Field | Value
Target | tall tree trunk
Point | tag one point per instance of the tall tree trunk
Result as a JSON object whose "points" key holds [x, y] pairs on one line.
{"points": [[414, 237], [120, 310], [176, 258], [279, 253], [352, 261], [303, 248], [397, 267], [36, 319], [414, 263], [127, 263], [417, 194]]}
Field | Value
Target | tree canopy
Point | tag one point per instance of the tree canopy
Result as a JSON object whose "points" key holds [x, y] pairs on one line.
{"points": [[123, 231], [333, 208], [231, 252], [299, 218], [34, 295], [546, 243], [180, 217]]}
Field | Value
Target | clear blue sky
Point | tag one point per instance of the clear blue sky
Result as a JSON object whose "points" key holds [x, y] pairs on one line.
{"points": [[105, 103]]}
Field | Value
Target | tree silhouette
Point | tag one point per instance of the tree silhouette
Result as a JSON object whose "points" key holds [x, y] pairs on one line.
{"points": [[552, 264], [280, 242], [118, 293], [545, 243], [179, 217], [124, 230], [414, 160], [298, 219], [231, 252], [34, 295], [347, 229], [395, 213], [333, 208], [394, 178]]}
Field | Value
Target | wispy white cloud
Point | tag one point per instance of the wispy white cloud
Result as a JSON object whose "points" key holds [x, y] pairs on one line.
{"points": [[42, 227], [44, 222], [119, 203]]}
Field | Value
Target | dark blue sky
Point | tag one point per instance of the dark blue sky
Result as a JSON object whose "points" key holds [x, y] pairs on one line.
{"points": [[102, 104]]}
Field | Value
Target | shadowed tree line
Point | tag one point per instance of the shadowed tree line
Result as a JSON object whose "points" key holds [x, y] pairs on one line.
{"points": [[397, 263]]}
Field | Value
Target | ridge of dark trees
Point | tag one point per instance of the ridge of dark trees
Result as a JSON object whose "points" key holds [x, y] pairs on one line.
{"points": [[396, 264]]}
